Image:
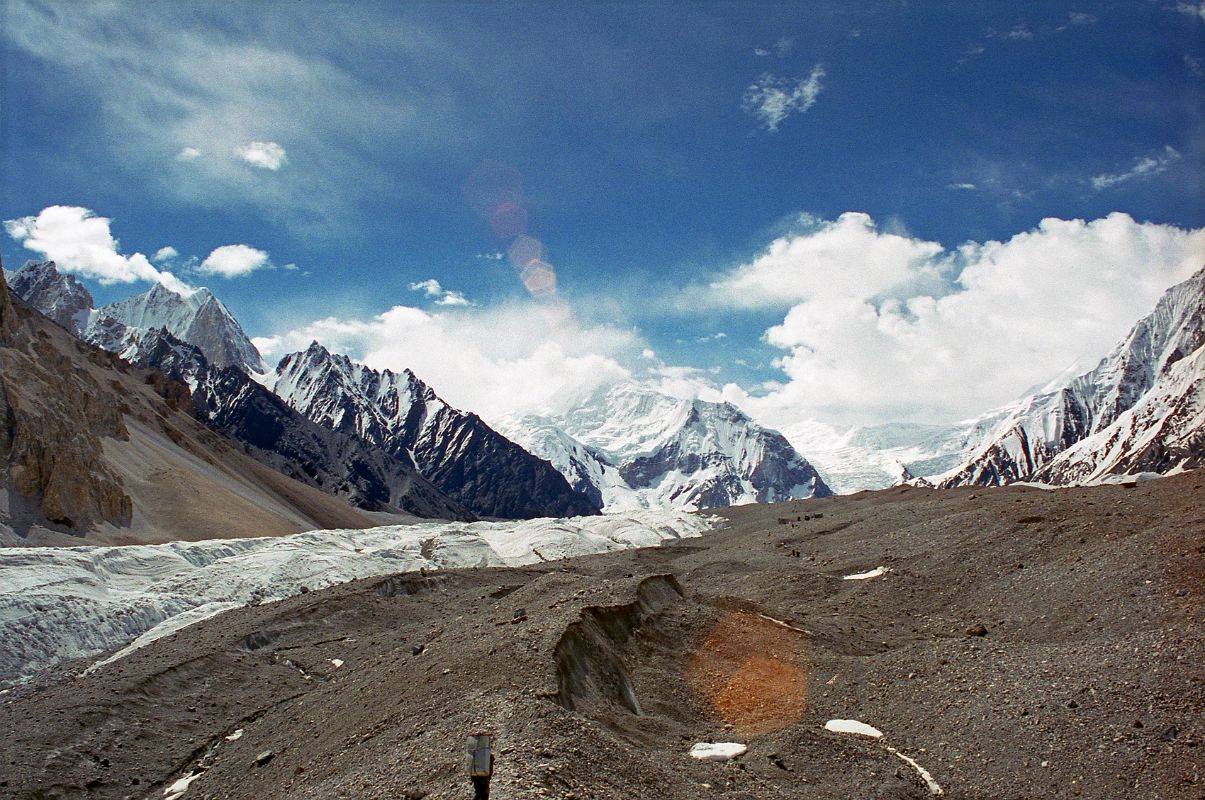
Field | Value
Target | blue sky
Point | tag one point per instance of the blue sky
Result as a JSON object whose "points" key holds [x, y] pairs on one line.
{"points": [[656, 151]]}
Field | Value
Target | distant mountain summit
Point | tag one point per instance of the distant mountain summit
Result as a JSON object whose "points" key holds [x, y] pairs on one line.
{"points": [[461, 455], [631, 447], [1141, 409], [195, 317]]}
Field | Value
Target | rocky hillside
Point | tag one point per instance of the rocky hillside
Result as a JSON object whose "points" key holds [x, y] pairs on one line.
{"points": [[632, 447], [61, 297], [463, 457], [93, 450], [1140, 408]]}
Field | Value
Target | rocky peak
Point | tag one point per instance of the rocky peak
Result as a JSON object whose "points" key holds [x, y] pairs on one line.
{"points": [[194, 316], [60, 297]]}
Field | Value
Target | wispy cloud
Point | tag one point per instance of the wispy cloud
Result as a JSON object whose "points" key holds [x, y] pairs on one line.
{"points": [[771, 99], [210, 100], [443, 297], [1195, 9], [968, 187], [265, 155], [1145, 166]]}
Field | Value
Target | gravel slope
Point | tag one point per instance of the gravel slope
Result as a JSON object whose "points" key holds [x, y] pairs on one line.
{"points": [[1022, 643]]}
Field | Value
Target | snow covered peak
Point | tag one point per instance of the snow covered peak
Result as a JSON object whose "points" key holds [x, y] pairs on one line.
{"points": [[195, 316], [60, 297], [633, 447], [1140, 402]]}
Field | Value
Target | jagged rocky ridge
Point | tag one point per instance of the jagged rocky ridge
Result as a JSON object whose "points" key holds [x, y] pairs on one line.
{"points": [[1141, 409], [631, 447], [338, 463], [61, 297], [415, 467], [461, 455]]}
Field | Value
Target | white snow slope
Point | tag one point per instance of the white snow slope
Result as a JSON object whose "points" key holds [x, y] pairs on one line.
{"points": [[78, 602], [631, 447]]}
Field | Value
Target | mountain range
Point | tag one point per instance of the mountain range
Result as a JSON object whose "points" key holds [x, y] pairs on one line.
{"points": [[384, 442]]}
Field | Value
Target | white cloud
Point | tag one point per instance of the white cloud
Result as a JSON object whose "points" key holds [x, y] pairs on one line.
{"points": [[772, 99], [880, 326], [1194, 9], [443, 297], [1081, 18], [495, 362], [234, 260], [81, 243], [961, 186], [265, 155], [165, 254], [1149, 165], [188, 154]]}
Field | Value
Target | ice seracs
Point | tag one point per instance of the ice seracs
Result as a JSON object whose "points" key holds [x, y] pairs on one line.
{"points": [[633, 447], [74, 602]]}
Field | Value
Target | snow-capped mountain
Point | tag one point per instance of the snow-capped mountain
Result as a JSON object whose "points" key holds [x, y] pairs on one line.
{"points": [[195, 317], [632, 447], [273, 433], [461, 455], [60, 297], [1139, 409], [879, 456]]}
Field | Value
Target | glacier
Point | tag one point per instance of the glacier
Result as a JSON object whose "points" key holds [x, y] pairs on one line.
{"points": [[67, 603]]}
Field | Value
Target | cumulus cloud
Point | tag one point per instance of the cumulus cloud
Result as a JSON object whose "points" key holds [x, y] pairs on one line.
{"points": [[1148, 165], [165, 254], [265, 155], [234, 261], [496, 362], [882, 326], [443, 297], [188, 154], [81, 243], [772, 99]]}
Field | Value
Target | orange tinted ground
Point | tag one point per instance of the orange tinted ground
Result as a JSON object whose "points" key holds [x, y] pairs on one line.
{"points": [[750, 673]]}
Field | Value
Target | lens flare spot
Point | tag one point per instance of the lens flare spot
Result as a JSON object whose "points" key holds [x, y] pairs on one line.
{"points": [[508, 219], [525, 250], [539, 278]]}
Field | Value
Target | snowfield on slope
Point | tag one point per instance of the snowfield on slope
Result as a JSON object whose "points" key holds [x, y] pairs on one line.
{"points": [[78, 602]]}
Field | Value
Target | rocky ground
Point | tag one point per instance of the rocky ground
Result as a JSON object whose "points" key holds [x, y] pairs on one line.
{"points": [[1021, 643]]}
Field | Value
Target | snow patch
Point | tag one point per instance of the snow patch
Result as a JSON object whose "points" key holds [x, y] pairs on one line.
{"points": [[852, 726], [862, 576], [337, 662], [180, 787], [234, 737], [717, 751], [934, 788]]}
